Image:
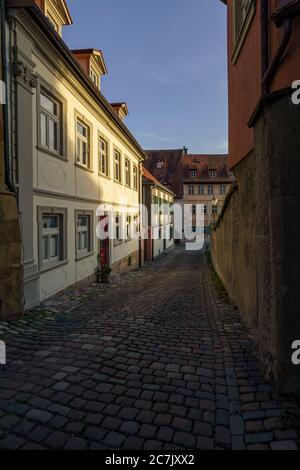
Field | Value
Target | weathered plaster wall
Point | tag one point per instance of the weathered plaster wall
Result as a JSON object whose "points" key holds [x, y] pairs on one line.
{"points": [[255, 247], [11, 303]]}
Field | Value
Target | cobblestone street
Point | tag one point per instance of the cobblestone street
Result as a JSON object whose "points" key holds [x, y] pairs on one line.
{"points": [[157, 361]]}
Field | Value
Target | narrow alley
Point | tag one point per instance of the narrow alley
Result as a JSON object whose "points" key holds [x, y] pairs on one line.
{"points": [[159, 361]]}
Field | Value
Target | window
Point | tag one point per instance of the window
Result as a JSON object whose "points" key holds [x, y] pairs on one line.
{"points": [[84, 240], [117, 166], [223, 189], [210, 190], [241, 8], [118, 230], [194, 210], [128, 227], [82, 144], [191, 190], [127, 172], [52, 237], [159, 165], [204, 209], [53, 22], [95, 78], [214, 210], [201, 189], [243, 11], [136, 225], [103, 157], [193, 173], [212, 173], [50, 122], [135, 177]]}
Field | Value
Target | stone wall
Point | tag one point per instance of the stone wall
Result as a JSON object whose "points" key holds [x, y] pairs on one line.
{"points": [[255, 244]]}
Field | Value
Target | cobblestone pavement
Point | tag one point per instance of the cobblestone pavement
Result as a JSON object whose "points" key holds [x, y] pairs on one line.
{"points": [[157, 361]]}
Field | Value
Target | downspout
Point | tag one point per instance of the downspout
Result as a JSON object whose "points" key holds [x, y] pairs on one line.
{"points": [[141, 213], [264, 41], [8, 171]]}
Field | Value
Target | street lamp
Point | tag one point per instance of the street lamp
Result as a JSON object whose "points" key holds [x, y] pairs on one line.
{"points": [[215, 207]]}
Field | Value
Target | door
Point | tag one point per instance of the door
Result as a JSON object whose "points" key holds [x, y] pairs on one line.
{"points": [[104, 244]]}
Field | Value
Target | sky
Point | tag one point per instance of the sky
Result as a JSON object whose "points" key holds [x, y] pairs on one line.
{"points": [[167, 60]]}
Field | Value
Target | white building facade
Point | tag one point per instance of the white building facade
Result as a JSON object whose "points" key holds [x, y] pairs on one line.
{"points": [[69, 153]]}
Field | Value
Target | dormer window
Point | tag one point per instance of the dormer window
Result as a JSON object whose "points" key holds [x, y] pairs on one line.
{"points": [[212, 173], [92, 61], [95, 78], [193, 173], [57, 14], [159, 165], [53, 23]]}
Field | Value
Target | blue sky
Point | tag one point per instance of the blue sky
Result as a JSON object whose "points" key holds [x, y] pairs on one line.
{"points": [[167, 60]]}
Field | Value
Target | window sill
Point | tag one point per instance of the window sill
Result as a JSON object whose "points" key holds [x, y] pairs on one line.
{"points": [[118, 182], [243, 33], [118, 243], [44, 269], [84, 256], [102, 175], [84, 168], [52, 154]]}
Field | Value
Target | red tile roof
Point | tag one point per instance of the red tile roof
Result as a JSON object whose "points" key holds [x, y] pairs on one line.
{"points": [[166, 167], [202, 164], [172, 168], [149, 177]]}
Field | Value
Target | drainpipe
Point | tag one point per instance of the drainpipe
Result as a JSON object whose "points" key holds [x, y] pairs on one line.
{"points": [[264, 40], [8, 172], [140, 209]]}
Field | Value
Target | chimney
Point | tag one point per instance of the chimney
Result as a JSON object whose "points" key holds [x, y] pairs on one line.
{"points": [[121, 110], [185, 150]]}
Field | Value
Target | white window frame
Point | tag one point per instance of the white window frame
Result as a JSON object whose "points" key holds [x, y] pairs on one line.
{"points": [[210, 190], [103, 156], [82, 140], [191, 190], [94, 77], [127, 172], [88, 229], [117, 166], [222, 189], [50, 117], [53, 22], [128, 227], [118, 240], [60, 231], [201, 189], [135, 177]]}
